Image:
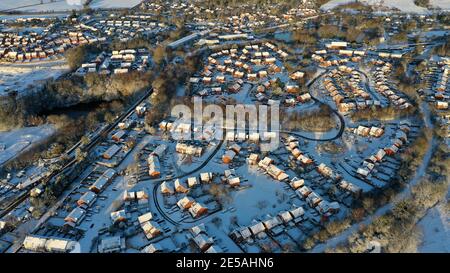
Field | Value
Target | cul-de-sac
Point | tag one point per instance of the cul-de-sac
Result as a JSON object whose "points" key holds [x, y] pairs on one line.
{"points": [[224, 126]]}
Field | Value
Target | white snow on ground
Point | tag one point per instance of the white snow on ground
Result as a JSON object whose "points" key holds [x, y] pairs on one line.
{"points": [[12, 17], [436, 231], [19, 76], [16, 141], [62, 5], [75, 2], [114, 3], [11, 4], [36, 6], [402, 5], [334, 3], [443, 4]]}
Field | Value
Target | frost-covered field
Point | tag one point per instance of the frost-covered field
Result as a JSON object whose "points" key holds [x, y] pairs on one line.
{"points": [[402, 5], [436, 231], [12, 143], [62, 5], [12, 17], [18, 77], [114, 3], [443, 4], [36, 6]]}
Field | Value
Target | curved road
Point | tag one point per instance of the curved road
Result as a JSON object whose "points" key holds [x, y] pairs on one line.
{"points": [[156, 186], [405, 193], [340, 117]]}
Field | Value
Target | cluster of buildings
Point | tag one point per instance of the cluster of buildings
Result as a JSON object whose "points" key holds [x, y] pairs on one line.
{"points": [[259, 64], [117, 62], [179, 186], [189, 149], [306, 8], [153, 161], [306, 192], [344, 83], [47, 244], [29, 21], [231, 152], [369, 164], [324, 62], [272, 225], [340, 49], [126, 27], [292, 145], [313, 199], [235, 23], [204, 243], [441, 88], [122, 139], [272, 170], [88, 198], [183, 130], [382, 86], [372, 131], [15, 47], [345, 88], [231, 178], [234, 150], [195, 209], [245, 22]]}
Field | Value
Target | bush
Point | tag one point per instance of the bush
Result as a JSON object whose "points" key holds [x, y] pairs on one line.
{"points": [[319, 120], [76, 56], [329, 31], [387, 113], [303, 37], [336, 227], [422, 3], [159, 54]]}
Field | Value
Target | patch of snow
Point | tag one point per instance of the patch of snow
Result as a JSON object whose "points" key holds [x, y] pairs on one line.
{"points": [[443, 4], [402, 5], [12, 17], [19, 76], [436, 231], [114, 3], [76, 2], [36, 6], [334, 3], [17, 141]]}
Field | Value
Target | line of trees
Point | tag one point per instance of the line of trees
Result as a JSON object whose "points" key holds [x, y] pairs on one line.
{"points": [[318, 120]]}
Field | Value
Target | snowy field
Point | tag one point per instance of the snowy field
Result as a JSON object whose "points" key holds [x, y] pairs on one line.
{"points": [[436, 231], [62, 5], [19, 77], [36, 6], [12, 17], [114, 3], [402, 5], [14, 142], [443, 4]]}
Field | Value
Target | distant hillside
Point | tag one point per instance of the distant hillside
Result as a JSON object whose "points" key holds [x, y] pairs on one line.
{"points": [[62, 5], [409, 6]]}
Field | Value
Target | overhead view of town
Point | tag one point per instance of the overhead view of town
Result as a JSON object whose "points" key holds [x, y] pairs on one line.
{"points": [[224, 126]]}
